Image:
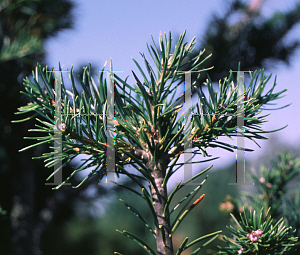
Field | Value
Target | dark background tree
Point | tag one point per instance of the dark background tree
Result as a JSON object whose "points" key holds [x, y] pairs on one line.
{"points": [[254, 41], [25, 26]]}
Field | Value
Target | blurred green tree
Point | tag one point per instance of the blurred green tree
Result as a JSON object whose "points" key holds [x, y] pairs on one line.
{"points": [[253, 40], [24, 27]]}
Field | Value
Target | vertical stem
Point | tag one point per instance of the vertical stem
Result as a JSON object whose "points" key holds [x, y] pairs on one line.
{"points": [[159, 202]]}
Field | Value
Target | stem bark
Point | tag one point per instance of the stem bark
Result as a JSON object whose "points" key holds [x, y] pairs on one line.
{"points": [[159, 202]]}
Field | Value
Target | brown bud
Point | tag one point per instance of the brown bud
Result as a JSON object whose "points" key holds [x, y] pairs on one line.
{"points": [[197, 201]]}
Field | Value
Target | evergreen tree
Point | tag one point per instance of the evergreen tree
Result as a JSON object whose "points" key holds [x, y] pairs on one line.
{"points": [[150, 138]]}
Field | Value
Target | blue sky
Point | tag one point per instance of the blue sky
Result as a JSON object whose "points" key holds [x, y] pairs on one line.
{"points": [[120, 29]]}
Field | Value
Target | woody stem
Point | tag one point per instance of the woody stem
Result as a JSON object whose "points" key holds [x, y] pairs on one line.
{"points": [[159, 202]]}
